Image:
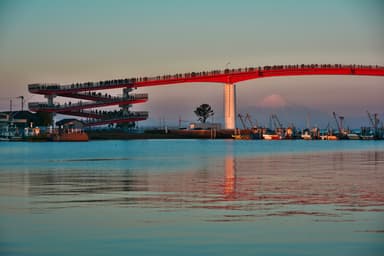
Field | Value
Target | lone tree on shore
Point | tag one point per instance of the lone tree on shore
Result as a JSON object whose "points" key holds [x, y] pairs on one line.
{"points": [[204, 111]]}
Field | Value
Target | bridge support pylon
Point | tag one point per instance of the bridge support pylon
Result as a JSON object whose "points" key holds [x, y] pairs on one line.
{"points": [[50, 103], [230, 106]]}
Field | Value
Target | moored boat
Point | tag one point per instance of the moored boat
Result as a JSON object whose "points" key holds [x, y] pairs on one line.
{"points": [[367, 137], [328, 137], [238, 136], [70, 135], [10, 132], [306, 136], [57, 135], [271, 137], [353, 136]]}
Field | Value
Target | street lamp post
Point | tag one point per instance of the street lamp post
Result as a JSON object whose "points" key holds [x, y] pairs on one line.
{"points": [[22, 102]]}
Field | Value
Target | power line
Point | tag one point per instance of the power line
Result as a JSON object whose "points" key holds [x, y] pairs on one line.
{"points": [[9, 98], [11, 101]]}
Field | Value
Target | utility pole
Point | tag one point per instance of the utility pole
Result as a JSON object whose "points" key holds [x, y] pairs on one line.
{"points": [[22, 102], [179, 122], [308, 121]]}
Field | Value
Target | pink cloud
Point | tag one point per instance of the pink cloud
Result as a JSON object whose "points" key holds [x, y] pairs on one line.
{"points": [[273, 101]]}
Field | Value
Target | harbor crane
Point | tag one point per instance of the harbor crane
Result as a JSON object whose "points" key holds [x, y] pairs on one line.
{"points": [[276, 121], [339, 122], [238, 135], [375, 124], [242, 121], [374, 120], [248, 117]]}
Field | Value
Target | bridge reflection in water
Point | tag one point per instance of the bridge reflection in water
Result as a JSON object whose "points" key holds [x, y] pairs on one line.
{"points": [[258, 186], [230, 177], [165, 197]]}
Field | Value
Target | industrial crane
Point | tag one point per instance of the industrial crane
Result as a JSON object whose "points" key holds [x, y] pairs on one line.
{"points": [[277, 122], [248, 117], [238, 135], [339, 122], [242, 121], [375, 124], [255, 132], [374, 120]]}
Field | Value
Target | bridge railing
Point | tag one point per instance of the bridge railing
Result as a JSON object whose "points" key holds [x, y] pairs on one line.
{"points": [[106, 97], [87, 85], [81, 104], [111, 118], [114, 114], [251, 69]]}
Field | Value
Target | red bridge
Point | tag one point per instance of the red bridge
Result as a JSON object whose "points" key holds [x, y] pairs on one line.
{"points": [[87, 91]]}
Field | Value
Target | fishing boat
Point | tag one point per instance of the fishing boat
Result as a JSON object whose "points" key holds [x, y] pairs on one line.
{"points": [[306, 136], [239, 136], [367, 137], [327, 134], [69, 135], [353, 136], [256, 134], [10, 132], [328, 137], [271, 135], [57, 135]]}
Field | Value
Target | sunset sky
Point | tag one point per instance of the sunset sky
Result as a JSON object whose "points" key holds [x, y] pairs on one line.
{"points": [[77, 41]]}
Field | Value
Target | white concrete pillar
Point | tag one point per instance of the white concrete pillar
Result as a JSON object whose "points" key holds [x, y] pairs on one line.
{"points": [[50, 102], [229, 106], [126, 95], [50, 98]]}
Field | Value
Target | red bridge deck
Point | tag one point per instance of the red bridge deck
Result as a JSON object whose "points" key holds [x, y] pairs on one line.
{"points": [[215, 76]]}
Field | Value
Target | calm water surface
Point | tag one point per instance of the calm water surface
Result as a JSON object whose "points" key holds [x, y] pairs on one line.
{"points": [[192, 197]]}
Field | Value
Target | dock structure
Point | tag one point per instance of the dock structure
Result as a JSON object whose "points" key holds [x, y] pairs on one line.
{"points": [[89, 91]]}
